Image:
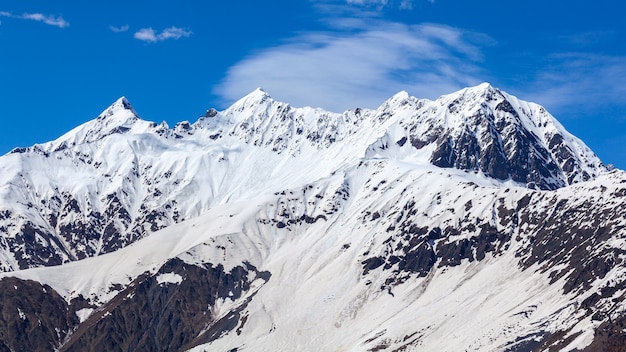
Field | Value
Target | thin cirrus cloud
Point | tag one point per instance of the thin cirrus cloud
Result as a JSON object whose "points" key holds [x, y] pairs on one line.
{"points": [[152, 36], [567, 82], [51, 20], [363, 63], [402, 4], [362, 67]]}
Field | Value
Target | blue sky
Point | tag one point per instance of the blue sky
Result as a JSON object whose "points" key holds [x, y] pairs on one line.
{"points": [[63, 62]]}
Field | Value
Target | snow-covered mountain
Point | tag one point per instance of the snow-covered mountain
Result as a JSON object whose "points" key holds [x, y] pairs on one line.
{"points": [[472, 222]]}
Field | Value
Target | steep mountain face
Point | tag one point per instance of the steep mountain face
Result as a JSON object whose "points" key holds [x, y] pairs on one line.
{"points": [[485, 130], [117, 178], [472, 222]]}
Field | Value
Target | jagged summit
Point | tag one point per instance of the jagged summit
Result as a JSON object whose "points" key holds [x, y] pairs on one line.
{"points": [[484, 129], [119, 118], [256, 97], [477, 129], [122, 103], [482, 88], [259, 90], [120, 107]]}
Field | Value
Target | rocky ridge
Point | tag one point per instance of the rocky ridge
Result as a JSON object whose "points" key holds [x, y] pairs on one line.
{"points": [[117, 178]]}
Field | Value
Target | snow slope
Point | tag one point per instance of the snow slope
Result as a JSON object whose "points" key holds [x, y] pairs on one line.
{"points": [[320, 299]]}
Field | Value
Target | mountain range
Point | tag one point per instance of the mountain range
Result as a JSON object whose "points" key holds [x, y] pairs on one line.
{"points": [[474, 222]]}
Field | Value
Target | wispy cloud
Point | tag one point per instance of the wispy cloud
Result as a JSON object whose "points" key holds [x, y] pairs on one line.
{"points": [[368, 2], [403, 4], [406, 5], [150, 35], [173, 33], [590, 38], [123, 28], [363, 60], [574, 82], [380, 4], [363, 67], [361, 9], [51, 20]]}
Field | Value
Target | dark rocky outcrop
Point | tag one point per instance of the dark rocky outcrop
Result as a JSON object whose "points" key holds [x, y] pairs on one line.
{"points": [[501, 151], [168, 316], [33, 317], [154, 313]]}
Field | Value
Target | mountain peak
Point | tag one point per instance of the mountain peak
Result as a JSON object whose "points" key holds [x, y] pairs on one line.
{"points": [[483, 129], [253, 100], [120, 105], [479, 93], [259, 90], [122, 101], [258, 95], [400, 96], [119, 117], [484, 86]]}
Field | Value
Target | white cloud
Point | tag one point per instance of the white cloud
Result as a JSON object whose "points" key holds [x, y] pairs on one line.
{"points": [[51, 20], [146, 34], [363, 60], [123, 28], [150, 35], [173, 33], [361, 67]]}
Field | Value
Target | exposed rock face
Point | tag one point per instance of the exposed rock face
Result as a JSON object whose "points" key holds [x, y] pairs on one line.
{"points": [[33, 317], [173, 310], [175, 307], [520, 142]]}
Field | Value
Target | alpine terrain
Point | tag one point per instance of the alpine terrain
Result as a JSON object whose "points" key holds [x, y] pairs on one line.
{"points": [[474, 222]]}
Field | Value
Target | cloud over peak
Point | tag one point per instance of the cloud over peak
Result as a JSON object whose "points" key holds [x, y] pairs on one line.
{"points": [[364, 67], [152, 36]]}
